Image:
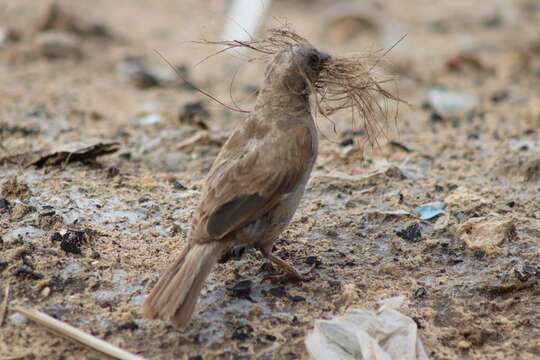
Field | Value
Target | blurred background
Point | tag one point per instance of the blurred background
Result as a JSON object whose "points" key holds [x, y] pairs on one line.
{"points": [[80, 79]]}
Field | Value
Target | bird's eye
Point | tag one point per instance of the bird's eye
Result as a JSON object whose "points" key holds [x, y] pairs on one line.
{"points": [[314, 61]]}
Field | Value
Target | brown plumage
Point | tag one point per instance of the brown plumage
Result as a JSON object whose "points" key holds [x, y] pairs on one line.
{"points": [[254, 185]]}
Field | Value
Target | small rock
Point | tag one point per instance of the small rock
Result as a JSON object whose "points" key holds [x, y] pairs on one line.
{"points": [[4, 204], [112, 171], [73, 240], [46, 291], [9, 36], [389, 268], [130, 325], [57, 45], [17, 319], [500, 96], [56, 236], [3, 265], [241, 289], [26, 272], [486, 234], [435, 117], [278, 291], [242, 333], [297, 298], [139, 73], [410, 233], [420, 292], [145, 76], [195, 114], [532, 171], [58, 19], [177, 185], [312, 260]]}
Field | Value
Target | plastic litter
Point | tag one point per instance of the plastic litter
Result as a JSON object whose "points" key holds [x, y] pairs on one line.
{"points": [[385, 334], [430, 210]]}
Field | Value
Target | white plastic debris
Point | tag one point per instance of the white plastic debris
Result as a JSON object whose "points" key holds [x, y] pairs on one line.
{"points": [[385, 334], [244, 19], [150, 119], [451, 102]]}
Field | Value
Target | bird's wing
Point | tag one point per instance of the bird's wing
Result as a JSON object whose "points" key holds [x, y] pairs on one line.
{"points": [[242, 188]]}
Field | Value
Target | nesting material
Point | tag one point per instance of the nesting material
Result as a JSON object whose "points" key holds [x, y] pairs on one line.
{"points": [[344, 83]]}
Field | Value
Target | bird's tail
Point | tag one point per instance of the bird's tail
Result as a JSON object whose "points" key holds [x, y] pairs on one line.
{"points": [[175, 295]]}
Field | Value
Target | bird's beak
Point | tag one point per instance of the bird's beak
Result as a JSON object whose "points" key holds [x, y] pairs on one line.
{"points": [[324, 56]]}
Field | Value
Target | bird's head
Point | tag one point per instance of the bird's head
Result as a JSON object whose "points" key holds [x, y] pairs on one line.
{"points": [[296, 67]]}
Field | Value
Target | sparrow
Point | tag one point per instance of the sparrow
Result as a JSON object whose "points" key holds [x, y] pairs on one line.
{"points": [[253, 187]]}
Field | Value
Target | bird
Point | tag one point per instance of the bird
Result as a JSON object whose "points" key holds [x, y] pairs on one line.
{"points": [[254, 186]]}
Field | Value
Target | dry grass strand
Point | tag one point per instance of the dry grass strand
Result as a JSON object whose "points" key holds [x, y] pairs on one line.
{"points": [[345, 82]]}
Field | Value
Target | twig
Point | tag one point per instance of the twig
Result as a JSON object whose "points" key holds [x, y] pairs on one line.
{"points": [[16, 357], [4, 305], [76, 334]]}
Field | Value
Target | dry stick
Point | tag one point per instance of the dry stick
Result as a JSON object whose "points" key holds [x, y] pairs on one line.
{"points": [[76, 334], [4, 305], [16, 357]]}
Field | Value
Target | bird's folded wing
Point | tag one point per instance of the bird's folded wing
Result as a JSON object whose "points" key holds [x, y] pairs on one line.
{"points": [[240, 191]]}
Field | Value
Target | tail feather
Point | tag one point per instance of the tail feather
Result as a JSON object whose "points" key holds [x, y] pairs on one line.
{"points": [[175, 295]]}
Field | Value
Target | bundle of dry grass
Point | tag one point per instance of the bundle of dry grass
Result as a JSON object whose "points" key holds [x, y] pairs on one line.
{"points": [[345, 83]]}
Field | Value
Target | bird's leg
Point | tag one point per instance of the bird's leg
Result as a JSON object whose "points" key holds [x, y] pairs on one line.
{"points": [[289, 272]]}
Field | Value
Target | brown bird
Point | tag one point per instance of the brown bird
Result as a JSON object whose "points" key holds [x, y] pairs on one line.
{"points": [[254, 185]]}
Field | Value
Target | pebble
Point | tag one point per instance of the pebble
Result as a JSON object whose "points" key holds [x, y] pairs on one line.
{"points": [[194, 113], [17, 319], [58, 45], [4, 204], [410, 233], [532, 171], [26, 272], [420, 292], [241, 289], [72, 242], [312, 260], [297, 298], [278, 291]]}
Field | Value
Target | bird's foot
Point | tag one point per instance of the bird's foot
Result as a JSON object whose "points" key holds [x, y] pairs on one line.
{"points": [[289, 273]]}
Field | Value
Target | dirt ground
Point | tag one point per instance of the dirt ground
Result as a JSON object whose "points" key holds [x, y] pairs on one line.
{"points": [[85, 241]]}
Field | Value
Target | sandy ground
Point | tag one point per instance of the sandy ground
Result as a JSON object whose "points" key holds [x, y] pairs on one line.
{"points": [[470, 275]]}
